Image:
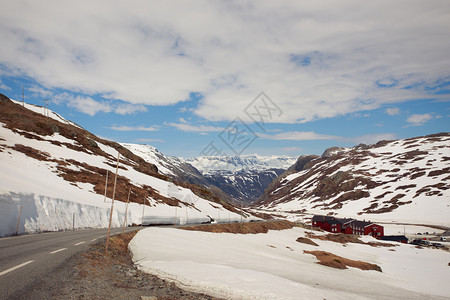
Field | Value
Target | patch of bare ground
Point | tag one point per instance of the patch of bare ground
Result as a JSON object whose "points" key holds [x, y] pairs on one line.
{"points": [[428, 189], [334, 261], [95, 274], [306, 241], [347, 238], [242, 228], [439, 172]]}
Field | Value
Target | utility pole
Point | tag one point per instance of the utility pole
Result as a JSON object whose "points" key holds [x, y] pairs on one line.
{"points": [[112, 203], [106, 185], [126, 211]]}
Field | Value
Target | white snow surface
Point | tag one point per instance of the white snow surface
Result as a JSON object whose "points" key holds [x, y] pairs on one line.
{"points": [[274, 266], [152, 155], [255, 162]]}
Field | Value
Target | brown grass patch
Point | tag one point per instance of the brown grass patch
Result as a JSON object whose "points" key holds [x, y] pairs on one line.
{"points": [[117, 252], [331, 260], [347, 238], [242, 228], [306, 241]]}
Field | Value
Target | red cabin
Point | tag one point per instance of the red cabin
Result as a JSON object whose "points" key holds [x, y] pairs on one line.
{"points": [[347, 226]]}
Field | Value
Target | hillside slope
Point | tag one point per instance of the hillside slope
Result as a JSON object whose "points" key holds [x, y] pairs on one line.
{"points": [[53, 172], [404, 180]]}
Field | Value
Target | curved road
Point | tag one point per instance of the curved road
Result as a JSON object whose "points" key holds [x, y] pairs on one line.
{"points": [[26, 258]]}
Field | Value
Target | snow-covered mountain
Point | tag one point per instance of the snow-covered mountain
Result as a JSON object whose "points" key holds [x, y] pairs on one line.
{"points": [[404, 180], [244, 178], [238, 179], [211, 164], [54, 174]]}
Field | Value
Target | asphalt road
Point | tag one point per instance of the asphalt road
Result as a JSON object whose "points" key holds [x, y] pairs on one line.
{"points": [[24, 259]]}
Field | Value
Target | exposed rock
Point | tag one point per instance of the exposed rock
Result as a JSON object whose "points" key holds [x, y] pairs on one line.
{"points": [[333, 151]]}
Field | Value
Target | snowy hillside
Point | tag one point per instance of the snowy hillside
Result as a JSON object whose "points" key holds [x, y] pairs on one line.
{"points": [[280, 265], [166, 165], [405, 181], [54, 174]]}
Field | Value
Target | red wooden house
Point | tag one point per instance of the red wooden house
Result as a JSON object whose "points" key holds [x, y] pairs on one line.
{"points": [[348, 226]]}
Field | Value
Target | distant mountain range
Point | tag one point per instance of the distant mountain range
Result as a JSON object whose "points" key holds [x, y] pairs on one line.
{"points": [[240, 179], [404, 180]]}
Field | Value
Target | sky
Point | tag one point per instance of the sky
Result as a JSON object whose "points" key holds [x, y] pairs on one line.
{"points": [[198, 78]]}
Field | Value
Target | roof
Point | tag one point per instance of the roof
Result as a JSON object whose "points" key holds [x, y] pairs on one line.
{"points": [[362, 223], [345, 221], [394, 238], [321, 218]]}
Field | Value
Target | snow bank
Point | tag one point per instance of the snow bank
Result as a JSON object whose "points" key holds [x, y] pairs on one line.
{"points": [[273, 266]]}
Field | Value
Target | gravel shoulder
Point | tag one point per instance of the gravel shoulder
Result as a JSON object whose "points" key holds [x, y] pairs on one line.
{"points": [[95, 274]]}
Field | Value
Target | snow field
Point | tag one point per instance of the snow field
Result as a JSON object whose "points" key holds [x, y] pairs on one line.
{"points": [[273, 266]]}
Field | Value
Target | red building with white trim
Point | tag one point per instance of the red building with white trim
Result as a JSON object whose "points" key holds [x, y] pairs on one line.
{"points": [[348, 226]]}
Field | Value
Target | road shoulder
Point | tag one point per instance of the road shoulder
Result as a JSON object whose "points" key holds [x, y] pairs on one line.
{"points": [[93, 274]]}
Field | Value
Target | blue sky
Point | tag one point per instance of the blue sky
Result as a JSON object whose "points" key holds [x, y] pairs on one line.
{"points": [[247, 77]]}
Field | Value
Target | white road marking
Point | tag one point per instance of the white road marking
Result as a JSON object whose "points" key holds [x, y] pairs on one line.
{"points": [[16, 267], [93, 240], [62, 249], [79, 243]]}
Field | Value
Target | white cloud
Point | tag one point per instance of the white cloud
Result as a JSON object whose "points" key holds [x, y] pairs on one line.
{"points": [[134, 128], [298, 136], [189, 127], [292, 149], [149, 141], [4, 86], [126, 109], [393, 111], [91, 106], [88, 105], [315, 59], [419, 119]]}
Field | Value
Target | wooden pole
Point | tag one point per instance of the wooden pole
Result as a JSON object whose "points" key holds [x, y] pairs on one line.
{"points": [[112, 203], [106, 185], [126, 211], [18, 220]]}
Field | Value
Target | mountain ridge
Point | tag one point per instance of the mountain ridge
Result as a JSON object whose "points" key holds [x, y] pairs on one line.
{"points": [[390, 180]]}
